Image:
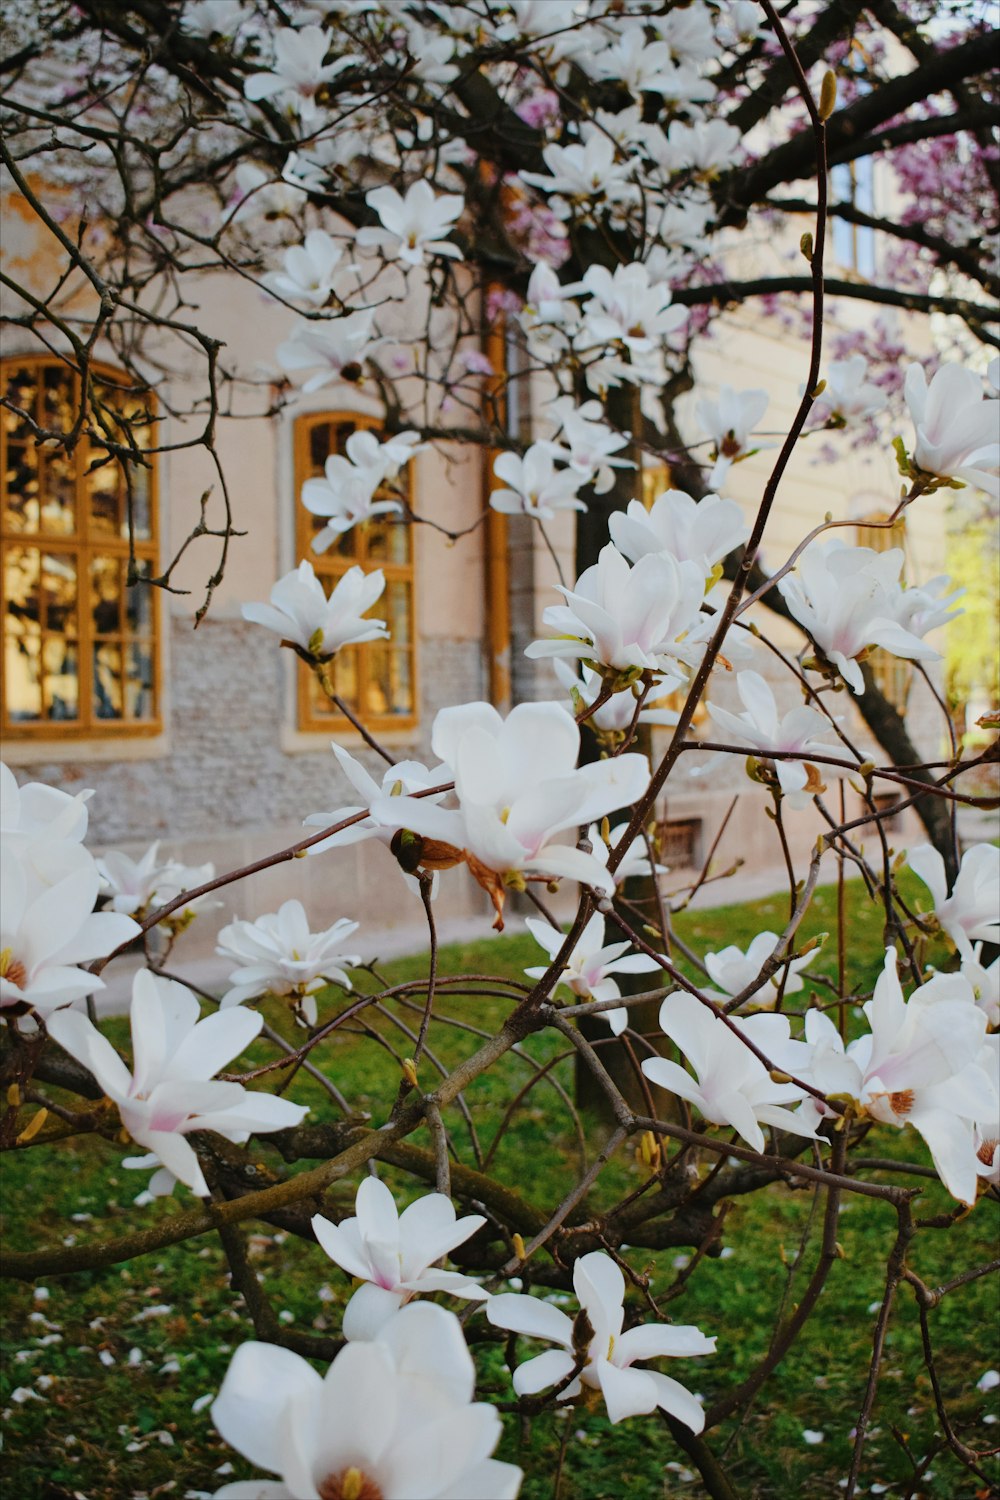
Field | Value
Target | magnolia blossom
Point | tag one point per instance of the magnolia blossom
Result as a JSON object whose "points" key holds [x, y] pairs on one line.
{"points": [[956, 430], [582, 176], [169, 1092], [628, 307], [972, 910], [729, 422], [920, 1064], [700, 531], [589, 442], [733, 1086], [733, 970], [534, 486], [299, 70], [300, 611], [47, 930], [338, 348], [278, 955], [43, 828], [760, 727], [518, 788], [406, 776], [847, 598], [630, 620], [346, 493], [848, 396], [392, 1419], [309, 269], [133, 884], [589, 968], [413, 226], [394, 1254], [615, 715], [611, 1354]]}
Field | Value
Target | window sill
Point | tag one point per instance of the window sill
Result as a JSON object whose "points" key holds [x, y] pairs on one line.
{"points": [[66, 751]]}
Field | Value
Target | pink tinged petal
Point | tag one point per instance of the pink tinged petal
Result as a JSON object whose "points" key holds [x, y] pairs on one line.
{"points": [[674, 1398], [256, 1113], [429, 1229], [162, 1014], [545, 1370], [77, 1036], [627, 1393], [342, 1248], [561, 862], [452, 1282], [260, 1381], [654, 1340], [950, 1142], [530, 1316], [369, 1310], [671, 1076]]}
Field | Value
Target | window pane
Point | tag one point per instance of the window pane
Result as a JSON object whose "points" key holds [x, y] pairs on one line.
{"points": [[107, 680], [142, 503], [320, 438], [139, 609], [59, 592], [388, 540], [59, 409], [21, 388], [106, 595], [139, 682], [61, 678], [395, 608], [389, 688], [23, 686], [104, 487], [20, 586], [58, 492], [21, 480]]}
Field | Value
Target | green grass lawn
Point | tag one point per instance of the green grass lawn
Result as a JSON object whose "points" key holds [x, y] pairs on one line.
{"points": [[101, 1370]]}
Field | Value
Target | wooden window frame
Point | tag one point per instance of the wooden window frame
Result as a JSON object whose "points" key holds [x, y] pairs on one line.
{"points": [[893, 674], [85, 544], [330, 566]]}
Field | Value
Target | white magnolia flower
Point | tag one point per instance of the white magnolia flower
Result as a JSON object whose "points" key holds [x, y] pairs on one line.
{"points": [[611, 1354], [760, 727], [534, 486], [848, 599], [392, 1419], [729, 422], [43, 828], [587, 443], [628, 307], [848, 396], [406, 776], [732, 970], [626, 619], [259, 193], [733, 1087], [170, 1091], [706, 146], [346, 493], [518, 788], [415, 225], [300, 611], [590, 966], [299, 70], [920, 1064], [972, 910], [956, 430], [923, 608], [309, 269], [278, 955], [647, 67], [584, 176], [46, 931], [394, 1254], [615, 715], [338, 348], [132, 884], [700, 531]]}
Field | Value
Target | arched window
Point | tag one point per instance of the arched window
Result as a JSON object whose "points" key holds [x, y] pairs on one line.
{"points": [[80, 647], [378, 679]]}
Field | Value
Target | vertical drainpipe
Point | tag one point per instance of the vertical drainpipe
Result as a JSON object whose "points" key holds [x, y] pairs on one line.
{"points": [[496, 552]]}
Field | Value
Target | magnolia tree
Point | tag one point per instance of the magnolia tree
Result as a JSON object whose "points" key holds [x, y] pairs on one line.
{"points": [[398, 177]]}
